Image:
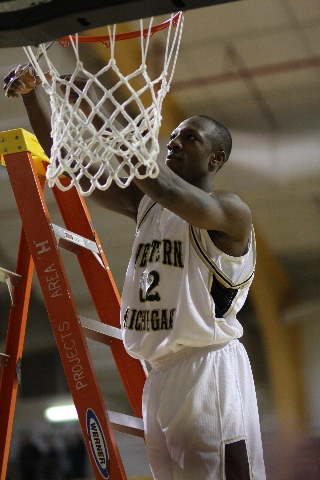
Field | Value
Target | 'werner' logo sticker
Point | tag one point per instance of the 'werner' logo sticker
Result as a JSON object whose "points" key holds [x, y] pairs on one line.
{"points": [[98, 444]]}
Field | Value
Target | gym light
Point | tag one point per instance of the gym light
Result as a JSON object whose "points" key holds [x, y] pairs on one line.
{"points": [[65, 413]]}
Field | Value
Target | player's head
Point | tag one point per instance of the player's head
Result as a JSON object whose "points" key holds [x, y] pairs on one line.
{"points": [[221, 137], [198, 148]]}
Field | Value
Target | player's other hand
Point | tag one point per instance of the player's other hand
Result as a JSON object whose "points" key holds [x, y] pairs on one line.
{"points": [[22, 85], [76, 87]]}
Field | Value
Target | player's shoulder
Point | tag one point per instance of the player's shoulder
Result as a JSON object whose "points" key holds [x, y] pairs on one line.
{"points": [[230, 200], [237, 223]]}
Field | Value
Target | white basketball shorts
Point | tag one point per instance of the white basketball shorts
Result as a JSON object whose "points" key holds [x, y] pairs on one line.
{"points": [[201, 416]]}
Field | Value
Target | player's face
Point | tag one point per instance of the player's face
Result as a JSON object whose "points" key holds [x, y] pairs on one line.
{"points": [[190, 150]]}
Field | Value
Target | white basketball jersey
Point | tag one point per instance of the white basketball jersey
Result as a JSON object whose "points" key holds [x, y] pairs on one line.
{"points": [[180, 289]]}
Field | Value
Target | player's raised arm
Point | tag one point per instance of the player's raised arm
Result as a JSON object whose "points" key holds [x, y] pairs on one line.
{"points": [[35, 101]]}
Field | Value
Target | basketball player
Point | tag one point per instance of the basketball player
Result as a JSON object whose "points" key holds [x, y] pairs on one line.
{"points": [[191, 267]]}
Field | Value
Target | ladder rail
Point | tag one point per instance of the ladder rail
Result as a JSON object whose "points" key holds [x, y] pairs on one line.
{"points": [[13, 350]]}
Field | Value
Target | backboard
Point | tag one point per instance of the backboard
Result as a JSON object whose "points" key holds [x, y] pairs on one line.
{"points": [[27, 22]]}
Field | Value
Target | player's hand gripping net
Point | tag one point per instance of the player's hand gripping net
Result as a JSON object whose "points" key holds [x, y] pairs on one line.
{"points": [[93, 134]]}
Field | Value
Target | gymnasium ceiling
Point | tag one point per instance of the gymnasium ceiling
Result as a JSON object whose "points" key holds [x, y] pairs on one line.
{"points": [[254, 65]]}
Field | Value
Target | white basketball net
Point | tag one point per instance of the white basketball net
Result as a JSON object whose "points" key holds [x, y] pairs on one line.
{"points": [[122, 145]]}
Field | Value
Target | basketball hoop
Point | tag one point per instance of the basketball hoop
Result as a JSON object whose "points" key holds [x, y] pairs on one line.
{"points": [[121, 142]]}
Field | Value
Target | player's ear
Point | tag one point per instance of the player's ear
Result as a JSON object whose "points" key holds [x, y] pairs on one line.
{"points": [[217, 159]]}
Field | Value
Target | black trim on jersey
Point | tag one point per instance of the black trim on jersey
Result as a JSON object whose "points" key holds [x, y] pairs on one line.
{"points": [[223, 297], [144, 216], [236, 462], [219, 275]]}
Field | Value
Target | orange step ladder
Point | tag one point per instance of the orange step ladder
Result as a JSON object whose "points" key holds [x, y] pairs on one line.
{"points": [[39, 248]]}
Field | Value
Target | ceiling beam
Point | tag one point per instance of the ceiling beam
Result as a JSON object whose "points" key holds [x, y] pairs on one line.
{"points": [[236, 75]]}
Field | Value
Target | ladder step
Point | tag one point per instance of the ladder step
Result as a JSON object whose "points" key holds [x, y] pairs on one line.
{"points": [[98, 331], [71, 237], [11, 279], [126, 424], [5, 274], [4, 360], [104, 333], [72, 242]]}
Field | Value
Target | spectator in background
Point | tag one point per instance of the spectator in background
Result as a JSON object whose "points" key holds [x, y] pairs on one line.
{"points": [[29, 459], [50, 460], [77, 456]]}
